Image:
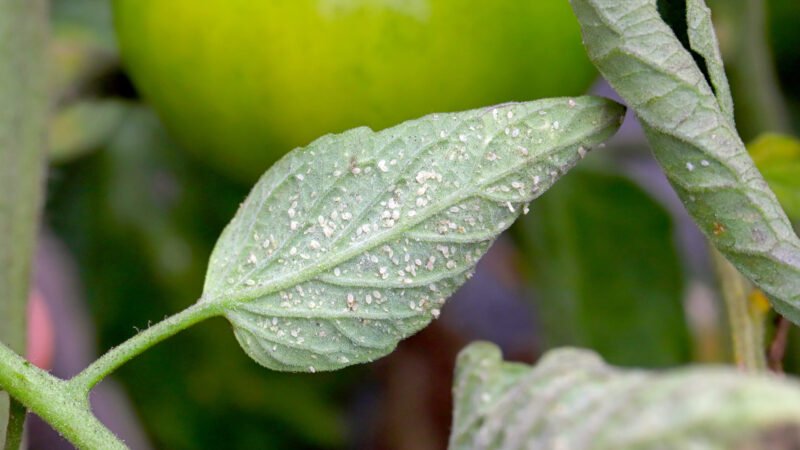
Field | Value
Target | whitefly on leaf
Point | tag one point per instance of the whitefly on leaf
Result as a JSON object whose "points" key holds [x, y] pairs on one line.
{"points": [[354, 242]]}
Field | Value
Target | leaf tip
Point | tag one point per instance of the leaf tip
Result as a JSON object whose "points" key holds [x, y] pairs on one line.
{"points": [[480, 353]]}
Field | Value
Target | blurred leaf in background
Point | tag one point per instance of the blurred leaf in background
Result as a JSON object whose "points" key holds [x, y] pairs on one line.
{"points": [[572, 399], [82, 49], [82, 127], [602, 262], [778, 159], [86, 17]]}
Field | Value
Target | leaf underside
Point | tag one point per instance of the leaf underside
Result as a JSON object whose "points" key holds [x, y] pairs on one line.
{"points": [[354, 242], [572, 400], [691, 131]]}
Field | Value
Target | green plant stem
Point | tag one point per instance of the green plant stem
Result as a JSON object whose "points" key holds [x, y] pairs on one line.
{"points": [[65, 404], [63, 408], [117, 356], [746, 320], [16, 425]]}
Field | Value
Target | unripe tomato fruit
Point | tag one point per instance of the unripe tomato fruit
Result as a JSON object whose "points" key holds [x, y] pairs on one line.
{"points": [[241, 82]]}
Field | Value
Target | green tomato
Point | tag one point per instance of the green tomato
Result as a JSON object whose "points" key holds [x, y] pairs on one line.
{"points": [[242, 82]]}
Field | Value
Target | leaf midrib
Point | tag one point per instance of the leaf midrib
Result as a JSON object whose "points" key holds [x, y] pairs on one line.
{"points": [[357, 221], [227, 301]]}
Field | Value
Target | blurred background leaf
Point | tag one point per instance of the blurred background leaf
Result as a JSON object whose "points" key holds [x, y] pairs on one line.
{"points": [[83, 126], [602, 262], [778, 159], [699, 407]]}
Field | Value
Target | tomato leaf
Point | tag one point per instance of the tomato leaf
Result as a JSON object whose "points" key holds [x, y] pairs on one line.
{"points": [[703, 41], [572, 399], [354, 242], [693, 137]]}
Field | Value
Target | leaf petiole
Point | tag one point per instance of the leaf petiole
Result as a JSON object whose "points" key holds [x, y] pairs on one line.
{"points": [[119, 355], [65, 404]]}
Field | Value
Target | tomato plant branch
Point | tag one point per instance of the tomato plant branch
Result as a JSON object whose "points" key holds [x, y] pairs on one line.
{"points": [[117, 356], [64, 404], [746, 317], [65, 409]]}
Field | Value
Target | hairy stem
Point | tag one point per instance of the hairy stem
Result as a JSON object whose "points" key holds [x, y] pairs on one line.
{"points": [[65, 404], [16, 425], [63, 408], [746, 317], [117, 356]]}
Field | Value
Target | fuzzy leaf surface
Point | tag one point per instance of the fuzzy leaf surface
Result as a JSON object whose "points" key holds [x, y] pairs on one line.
{"points": [[573, 400], [354, 242], [703, 40], [693, 137]]}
